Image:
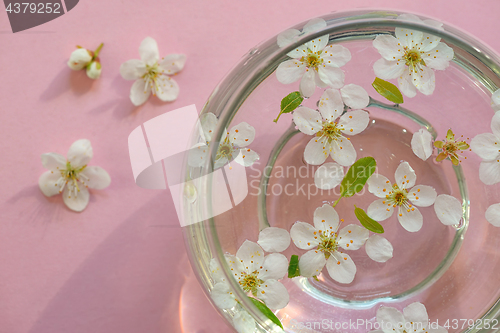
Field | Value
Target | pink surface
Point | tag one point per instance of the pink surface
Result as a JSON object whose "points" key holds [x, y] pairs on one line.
{"points": [[120, 266]]}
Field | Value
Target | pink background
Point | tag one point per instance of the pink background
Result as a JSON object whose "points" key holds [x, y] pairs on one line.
{"points": [[120, 266]]}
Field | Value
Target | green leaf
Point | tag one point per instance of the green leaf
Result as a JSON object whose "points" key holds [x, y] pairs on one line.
{"points": [[388, 90], [266, 311], [293, 267], [367, 221], [357, 176], [290, 103]]}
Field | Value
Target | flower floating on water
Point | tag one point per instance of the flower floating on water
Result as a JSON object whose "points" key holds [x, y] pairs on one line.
{"points": [[315, 63], [487, 146], [413, 319], [71, 176], [82, 58], [402, 194], [421, 144], [152, 74], [329, 132], [450, 148], [448, 209], [256, 274], [273, 239], [325, 242], [232, 147], [412, 57]]}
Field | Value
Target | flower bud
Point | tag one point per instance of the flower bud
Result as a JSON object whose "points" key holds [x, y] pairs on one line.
{"points": [[79, 59], [94, 70]]}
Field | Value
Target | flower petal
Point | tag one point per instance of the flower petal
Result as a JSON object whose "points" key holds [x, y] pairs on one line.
{"points": [[390, 318], [48, 183], [307, 120], [342, 151], [148, 50], [274, 294], [489, 172], [316, 151], [208, 122], [290, 71], [308, 83], [331, 105], [312, 263], [495, 124], [448, 209], [355, 96], [77, 203], [288, 37], [223, 296], [379, 185], [98, 178], [275, 267], [251, 254], [378, 248], [387, 70], [246, 157], [379, 210], [354, 122], [328, 176], [173, 63], [220, 162], [421, 144], [198, 155], [388, 47], [492, 214], [318, 44], [424, 79], [416, 314], [314, 25], [422, 195], [438, 57], [405, 176], [303, 235], [332, 76], [326, 219], [298, 53], [410, 218], [274, 239], [336, 55], [79, 58], [408, 37], [166, 89], [341, 267], [80, 153], [243, 322], [53, 161], [216, 271], [486, 146], [405, 84], [133, 69], [242, 134], [139, 93], [236, 265], [352, 237]]}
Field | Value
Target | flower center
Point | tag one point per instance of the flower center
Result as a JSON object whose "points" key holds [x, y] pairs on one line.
{"points": [[250, 282], [413, 58], [225, 150], [152, 79], [70, 177], [312, 60], [328, 243], [331, 130]]}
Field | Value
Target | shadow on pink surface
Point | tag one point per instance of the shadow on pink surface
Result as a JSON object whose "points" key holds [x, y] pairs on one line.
{"points": [[137, 280]]}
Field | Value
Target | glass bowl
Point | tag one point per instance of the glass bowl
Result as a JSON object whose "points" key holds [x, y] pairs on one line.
{"points": [[454, 270]]}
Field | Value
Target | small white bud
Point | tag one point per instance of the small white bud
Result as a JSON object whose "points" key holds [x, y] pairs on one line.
{"points": [[94, 70], [79, 59]]}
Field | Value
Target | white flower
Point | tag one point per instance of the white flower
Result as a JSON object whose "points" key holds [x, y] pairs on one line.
{"points": [[412, 57], [378, 248], [421, 144], [257, 274], [79, 59], [94, 70], [273, 239], [324, 242], [328, 131], [152, 74], [232, 147], [493, 214], [72, 176], [402, 194], [315, 62], [487, 146], [413, 319], [448, 209]]}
